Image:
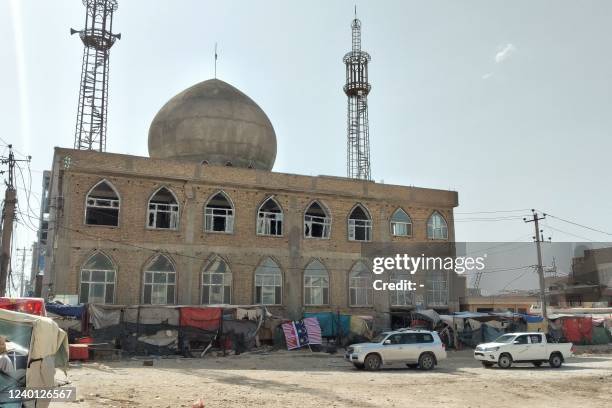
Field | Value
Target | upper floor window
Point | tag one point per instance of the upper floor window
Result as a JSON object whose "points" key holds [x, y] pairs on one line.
{"points": [[359, 225], [316, 284], [216, 283], [270, 218], [360, 285], [268, 283], [159, 281], [437, 227], [98, 275], [401, 224], [102, 205], [317, 223], [163, 210], [219, 214]]}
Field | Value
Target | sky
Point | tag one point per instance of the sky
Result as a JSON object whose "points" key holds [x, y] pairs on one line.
{"points": [[507, 103]]}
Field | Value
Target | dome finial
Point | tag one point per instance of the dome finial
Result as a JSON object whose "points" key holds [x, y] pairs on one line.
{"points": [[216, 56]]}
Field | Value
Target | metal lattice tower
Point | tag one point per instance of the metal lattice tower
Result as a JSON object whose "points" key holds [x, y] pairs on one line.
{"points": [[98, 39], [357, 89]]}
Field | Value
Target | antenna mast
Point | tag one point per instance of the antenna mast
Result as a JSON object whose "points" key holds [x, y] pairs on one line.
{"points": [[357, 89], [98, 39]]}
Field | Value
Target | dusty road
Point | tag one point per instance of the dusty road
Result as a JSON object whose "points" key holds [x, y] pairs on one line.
{"points": [[305, 379]]}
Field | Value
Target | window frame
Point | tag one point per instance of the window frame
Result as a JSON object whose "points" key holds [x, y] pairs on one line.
{"points": [[155, 211], [323, 287], [229, 218], [210, 285], [146, 271], [393, 223], [267, 220], [326, 223], [89, 281], [278, 302], [369, 292], [118, 200], [437, 289], [443, 227], [352, 225]]}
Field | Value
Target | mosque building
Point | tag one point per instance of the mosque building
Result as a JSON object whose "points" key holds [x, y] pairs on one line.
{"points": [[205, 220]]}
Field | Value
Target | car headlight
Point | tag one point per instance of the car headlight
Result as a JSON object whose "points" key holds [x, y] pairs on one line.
{"points": [[492, 349]]}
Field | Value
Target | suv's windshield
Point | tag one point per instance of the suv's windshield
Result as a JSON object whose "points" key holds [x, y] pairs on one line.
{"points": [[506, 338], [379, 338]]}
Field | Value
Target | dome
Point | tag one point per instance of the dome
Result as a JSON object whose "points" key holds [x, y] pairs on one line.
{"points": [[213, 122]]}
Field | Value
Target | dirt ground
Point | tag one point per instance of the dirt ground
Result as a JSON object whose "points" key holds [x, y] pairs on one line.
{"points": [[305, 379]]}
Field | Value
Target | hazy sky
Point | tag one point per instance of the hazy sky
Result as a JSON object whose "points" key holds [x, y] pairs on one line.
{"points": [[508, 103]]}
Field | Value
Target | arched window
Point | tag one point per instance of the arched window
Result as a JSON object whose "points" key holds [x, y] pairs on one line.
{"points": [[216, 283], [270, 218], [400, 297], [268, 283], [360, 285], [163, 210], [159, 281], [437, 288], [401, 224], [359, 225], [102, 205], [437, 227], [317, 223], [316, 284], [98, 275], [219, 214]]}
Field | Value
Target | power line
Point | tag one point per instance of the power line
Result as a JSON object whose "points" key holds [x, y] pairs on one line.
{"points": [[577, 224], [494, 211]]}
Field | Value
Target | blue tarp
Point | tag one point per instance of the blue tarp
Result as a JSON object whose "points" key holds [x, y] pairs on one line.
{"points": [[332, 324], [490, 333], [65, 310]]}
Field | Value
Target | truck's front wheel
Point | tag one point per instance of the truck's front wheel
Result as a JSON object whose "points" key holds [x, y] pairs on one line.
{"points": [[505, 361], [555, 360]]}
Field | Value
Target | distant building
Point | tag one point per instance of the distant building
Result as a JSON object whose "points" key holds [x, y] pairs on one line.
{"points": [[515, 301], [204, 220], [589, 285]]}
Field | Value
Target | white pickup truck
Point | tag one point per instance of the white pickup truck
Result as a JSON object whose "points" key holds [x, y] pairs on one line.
{"points": [[523, 348]]}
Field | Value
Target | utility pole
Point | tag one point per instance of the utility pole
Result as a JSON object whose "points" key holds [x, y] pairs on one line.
{"points": [[8, 217], [23, 258], [536, 218]]}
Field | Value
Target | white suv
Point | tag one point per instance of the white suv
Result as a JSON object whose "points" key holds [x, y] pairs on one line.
{"points": [[415, 348]]}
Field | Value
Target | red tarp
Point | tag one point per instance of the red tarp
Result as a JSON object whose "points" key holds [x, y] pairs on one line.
{"points": [[578, 329], [201, 318]]}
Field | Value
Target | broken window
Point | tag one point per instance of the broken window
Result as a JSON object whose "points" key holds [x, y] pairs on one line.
{"points": [[437, 227], [401, 224], [360, 285], [98, 280], [270, 218], [163, 210], [159, 281], [317, 223], [219, 214], [102, 205], [268, 283], [359, 225], [216, 283], [316, 284]]}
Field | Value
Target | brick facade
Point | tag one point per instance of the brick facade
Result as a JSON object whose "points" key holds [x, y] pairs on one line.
{"points": [[132, 244]]}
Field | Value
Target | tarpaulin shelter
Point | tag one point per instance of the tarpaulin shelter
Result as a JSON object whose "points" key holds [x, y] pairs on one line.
{"points": [[332, 324], [578, 330], [46, 345], [66, 310]]}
